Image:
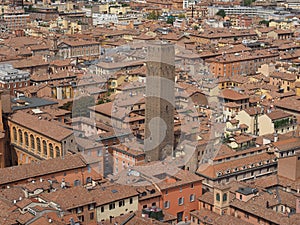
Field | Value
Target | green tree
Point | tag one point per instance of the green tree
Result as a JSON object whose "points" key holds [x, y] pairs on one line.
{"points": [[221, 13], [196, 27], [170, 19], [264, 22], [153, 15], [247, 2]]}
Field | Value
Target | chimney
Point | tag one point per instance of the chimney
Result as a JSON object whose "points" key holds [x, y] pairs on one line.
{"points": [[275, 137]]}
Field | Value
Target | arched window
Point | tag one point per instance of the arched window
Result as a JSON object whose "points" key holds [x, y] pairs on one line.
{"points": [[32, 142], [218, 197], [76, 182], [26, 139], [20, 137], [15, 134], [51, 150], [57, 151], [88, 180], [225, 197], [38, 145], [45, 148]]}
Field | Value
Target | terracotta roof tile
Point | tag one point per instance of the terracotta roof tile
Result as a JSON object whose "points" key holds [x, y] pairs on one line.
{"points": [[42, 126], [40, 168], [233, 95], [212, 170]]}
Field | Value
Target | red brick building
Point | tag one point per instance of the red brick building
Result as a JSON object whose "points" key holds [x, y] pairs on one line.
{"points": [[73, 170]]}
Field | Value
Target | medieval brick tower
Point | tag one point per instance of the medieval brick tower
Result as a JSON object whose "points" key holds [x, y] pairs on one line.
{"points": [[159, 114]]}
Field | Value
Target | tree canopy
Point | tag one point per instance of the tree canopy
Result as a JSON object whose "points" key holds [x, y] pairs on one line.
{"points": [[221, 13], [265, 22], [170, 19], [153, 15], [247, 2]]}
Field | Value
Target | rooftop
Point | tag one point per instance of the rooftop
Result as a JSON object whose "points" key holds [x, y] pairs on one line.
{"points": [[37, 124], [39, 168]]}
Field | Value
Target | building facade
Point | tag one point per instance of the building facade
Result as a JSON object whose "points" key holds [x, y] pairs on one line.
{"points": [[35, 138], [12, 79]]}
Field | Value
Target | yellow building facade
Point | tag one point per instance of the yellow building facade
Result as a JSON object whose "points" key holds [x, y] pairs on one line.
{"points": [[30, 143]]}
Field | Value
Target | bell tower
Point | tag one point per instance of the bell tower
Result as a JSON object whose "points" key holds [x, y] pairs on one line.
{"points": [[221, 200]]}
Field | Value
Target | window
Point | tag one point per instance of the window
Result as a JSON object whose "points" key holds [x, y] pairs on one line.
{"points": [[180, 201], [225, 197], [218, 197], [121, 203], [26, 139], [51, 150], [167, 204], [102, 208], [241, 197], [180, 189], [88, 180], [76, 182], [15, 134], [130, 200], [91, 216], [112, 206], [45, 148], [32, 142], [192, 185], [20, 137], [57, 151], [89, 168], [38, 145], [79, 210], [81, 218], [91, 206], [192, 197]]}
